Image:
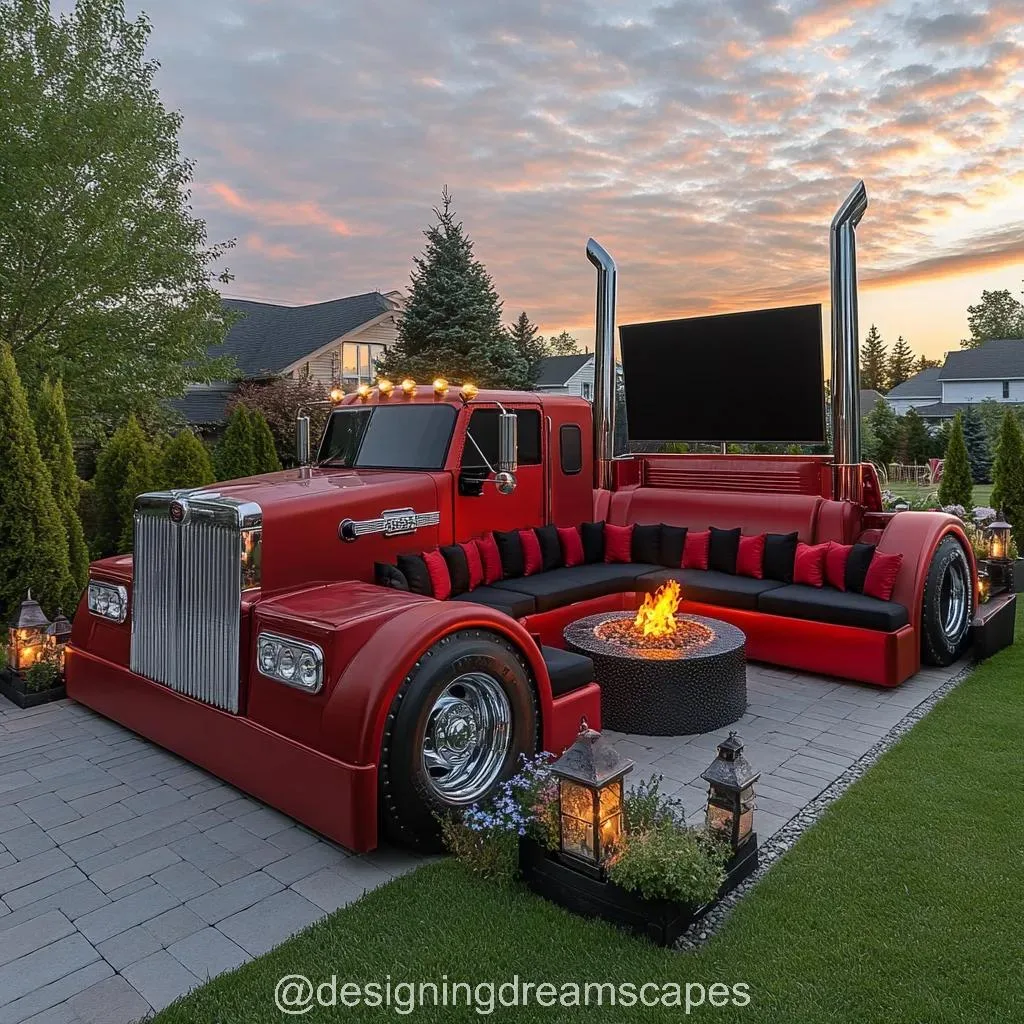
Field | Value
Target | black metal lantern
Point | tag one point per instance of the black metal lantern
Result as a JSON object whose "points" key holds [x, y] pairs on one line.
{"points": [[590, 795], [58, 634], [26, 636], [999, 540], [730, 778], [984, 586]]}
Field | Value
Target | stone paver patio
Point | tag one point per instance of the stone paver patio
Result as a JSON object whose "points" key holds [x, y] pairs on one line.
{"points": [[128, 876]]}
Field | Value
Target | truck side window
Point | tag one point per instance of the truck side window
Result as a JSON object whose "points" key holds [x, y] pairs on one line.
{"points": [[483, 425], [570, 445]]}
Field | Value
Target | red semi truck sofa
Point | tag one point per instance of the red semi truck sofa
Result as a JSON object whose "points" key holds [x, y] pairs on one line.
{"points": [[810, 588]]}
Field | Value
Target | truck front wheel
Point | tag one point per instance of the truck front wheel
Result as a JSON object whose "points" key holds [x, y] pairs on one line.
{"points": [[948, 605], [455, 730]]}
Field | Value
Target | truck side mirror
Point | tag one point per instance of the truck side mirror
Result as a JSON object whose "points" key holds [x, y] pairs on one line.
{"points": [[302, 452], [508, 442]]}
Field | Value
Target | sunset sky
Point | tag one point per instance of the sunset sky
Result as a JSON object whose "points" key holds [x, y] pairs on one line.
{"points": [[706, 145]]}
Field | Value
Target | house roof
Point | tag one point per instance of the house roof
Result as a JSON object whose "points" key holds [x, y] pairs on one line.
{"points": [[268, 338], [924, 384], [869, 398], [947, 410], [995, 360], [203, 405], [554, 371]]}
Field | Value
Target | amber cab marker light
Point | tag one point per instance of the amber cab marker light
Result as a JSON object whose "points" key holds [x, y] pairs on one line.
{"points": [[469, 392], [409, 387], [385, 387], [363, 391], [440, 387], [336, 394]]}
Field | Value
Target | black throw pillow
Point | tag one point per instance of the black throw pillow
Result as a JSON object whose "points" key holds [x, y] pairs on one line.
{"points": [[857, 566], [510, 547], [592, 535], [385, 575], [458, 568], [645, 545], [550, 549], [723, 547], [415, 571], [673, 540], [779, 555]]}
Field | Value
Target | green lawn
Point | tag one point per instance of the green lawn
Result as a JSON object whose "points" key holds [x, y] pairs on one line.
{"points": [[903, 904], [982, 492]]}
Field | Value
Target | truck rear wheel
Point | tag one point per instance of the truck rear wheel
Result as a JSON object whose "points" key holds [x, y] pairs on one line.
{"points": [[455, 730], [948, 605]]}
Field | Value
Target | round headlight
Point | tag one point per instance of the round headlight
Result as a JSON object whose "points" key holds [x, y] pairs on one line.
{"points": [[268, 656], [308, 670], [286, 663]]}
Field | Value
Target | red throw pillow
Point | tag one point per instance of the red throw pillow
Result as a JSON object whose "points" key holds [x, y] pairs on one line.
{"points": [[882, 573], [533, 561], [440, 578], [618, 542], [835, 564], [750, 557], [809, 566], [474, 563], [695, 550], [572, 546], [491, 558]]}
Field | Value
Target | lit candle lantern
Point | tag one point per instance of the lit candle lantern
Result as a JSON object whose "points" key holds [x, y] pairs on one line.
{"points": [[26, 640], [730, 779]]}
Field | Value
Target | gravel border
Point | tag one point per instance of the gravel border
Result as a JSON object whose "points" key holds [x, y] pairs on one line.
{"points": [[699, 932]]}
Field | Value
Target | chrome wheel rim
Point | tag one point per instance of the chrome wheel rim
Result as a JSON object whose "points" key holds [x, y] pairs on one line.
{"points": [[468, 733], [955, 599]]}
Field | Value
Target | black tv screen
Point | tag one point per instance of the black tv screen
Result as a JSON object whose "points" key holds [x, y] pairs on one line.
{"points": [[754, 376]]}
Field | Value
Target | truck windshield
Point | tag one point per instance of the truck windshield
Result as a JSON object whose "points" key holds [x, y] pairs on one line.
{"points": [[388, 437]]}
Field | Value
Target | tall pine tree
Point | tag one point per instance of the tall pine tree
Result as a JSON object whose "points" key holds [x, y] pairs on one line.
{"points": [[33, 547], [235, 455], [917, 442], [885, 426], [125, 469], [874, 367], [451, 324], [955, 487], [1008, 475], [978, 451], [563, 344], [901, 363], [529, 344], [264, 453]]}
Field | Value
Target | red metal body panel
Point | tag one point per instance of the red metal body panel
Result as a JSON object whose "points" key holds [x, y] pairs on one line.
{"points": [[549, 625]]}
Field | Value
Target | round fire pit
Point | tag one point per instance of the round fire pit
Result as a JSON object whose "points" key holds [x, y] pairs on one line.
{"points": [[692, 681]]}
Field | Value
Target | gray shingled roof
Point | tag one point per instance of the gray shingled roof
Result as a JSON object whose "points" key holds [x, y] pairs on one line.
{"points": [[869, 398], [999, 359], [267, 338], [204, 406], [922, 385], [553, 371]]}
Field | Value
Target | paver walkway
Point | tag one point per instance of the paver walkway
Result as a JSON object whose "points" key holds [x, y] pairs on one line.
{"points": [[128, 876]]}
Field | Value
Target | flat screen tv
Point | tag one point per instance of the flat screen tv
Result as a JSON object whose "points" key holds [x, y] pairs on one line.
{"points": [[754, 376]]}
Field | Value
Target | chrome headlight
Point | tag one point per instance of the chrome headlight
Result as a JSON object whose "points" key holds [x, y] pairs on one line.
{"points": [[295, 662], [108, 601]]}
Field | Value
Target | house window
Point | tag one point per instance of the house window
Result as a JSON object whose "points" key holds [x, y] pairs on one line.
{"points": [[1006, 389], [586, 390], [358, 362]]}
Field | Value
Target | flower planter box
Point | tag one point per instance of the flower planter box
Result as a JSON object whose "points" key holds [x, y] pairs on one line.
{"points": [[12, 686], [993, 625], [661, 921]]}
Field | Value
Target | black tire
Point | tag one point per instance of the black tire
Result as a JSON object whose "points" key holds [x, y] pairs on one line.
{"points": [[946, 632], [409, 793]]}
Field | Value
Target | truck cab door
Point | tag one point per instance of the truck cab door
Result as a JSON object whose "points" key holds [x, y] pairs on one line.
{"points": [[479, 507]]}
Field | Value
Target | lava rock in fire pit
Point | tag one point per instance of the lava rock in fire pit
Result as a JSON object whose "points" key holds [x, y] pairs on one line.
{"points": [[689, 680]]}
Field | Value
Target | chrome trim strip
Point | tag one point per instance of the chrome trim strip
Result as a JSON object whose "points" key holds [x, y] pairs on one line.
{"points": [[395, 522], [604, 364]]}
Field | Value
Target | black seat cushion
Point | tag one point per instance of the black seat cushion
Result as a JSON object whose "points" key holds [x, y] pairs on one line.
{"points": [[507, 601], [568, 671], [567, 586], [842, 608], [711, 587]]}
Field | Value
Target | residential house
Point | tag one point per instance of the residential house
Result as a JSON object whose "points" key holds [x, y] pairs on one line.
{"points": [[332, 341], [869, 398], [568, 375], [921, 389]]}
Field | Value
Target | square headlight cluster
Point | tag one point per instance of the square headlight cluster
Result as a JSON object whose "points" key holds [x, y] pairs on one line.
{"points": [[293, 662], [108, 601]]}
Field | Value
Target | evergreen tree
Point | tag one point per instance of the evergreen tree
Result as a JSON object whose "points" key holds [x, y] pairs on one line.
{"points": [[978, 451], [529, 344], [185, 463], [955, 487], [917, 442], [451, 324], [564, 344], [264, 453], [924, 363], [33, 545], [885, 425], [901, 363], [235, 456], [1008, 475], [874, 367], [124, 470], [56, 450]]}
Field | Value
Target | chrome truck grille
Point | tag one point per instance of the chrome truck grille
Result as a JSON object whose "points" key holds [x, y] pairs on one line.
{"points": [[191, 551]]}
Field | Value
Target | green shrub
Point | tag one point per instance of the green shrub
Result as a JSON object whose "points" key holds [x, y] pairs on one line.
{"points": [[235, 457], [265, 458], [645, 806], [124, 470], [1008, 474], [42, 675], [669, 862], [56, 450], [185, 463], [956, 485], [33, 544], [89, 513]]}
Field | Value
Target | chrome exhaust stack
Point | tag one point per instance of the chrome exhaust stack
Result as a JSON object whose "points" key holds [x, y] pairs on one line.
{"points": [[604, 364], [846, 346]]}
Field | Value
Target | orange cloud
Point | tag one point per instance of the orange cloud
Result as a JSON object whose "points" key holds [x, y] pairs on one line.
{"points": [[302, 214]]}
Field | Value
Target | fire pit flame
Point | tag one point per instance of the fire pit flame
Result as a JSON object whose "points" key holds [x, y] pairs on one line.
{"points": [[657, 615]]}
